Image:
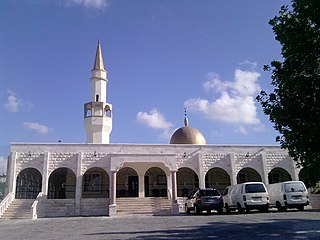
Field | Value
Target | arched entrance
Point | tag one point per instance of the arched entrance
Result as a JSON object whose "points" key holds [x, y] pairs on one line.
{"points": [[127, 183], [62, 184], [155, 183], [278, 175], [217, 178], [248, 175], [187, 181], [95, 183], [29, 183]]}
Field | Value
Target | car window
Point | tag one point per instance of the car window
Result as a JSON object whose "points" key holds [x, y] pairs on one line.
{"points": [[294, 187], [254, 188], [225, 192], [209, 193]]}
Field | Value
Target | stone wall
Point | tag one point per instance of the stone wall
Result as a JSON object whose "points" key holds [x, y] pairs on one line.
{"points": [[314, 201]]}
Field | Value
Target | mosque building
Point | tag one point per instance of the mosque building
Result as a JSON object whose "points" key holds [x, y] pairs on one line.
{"points": [[101, 178]]}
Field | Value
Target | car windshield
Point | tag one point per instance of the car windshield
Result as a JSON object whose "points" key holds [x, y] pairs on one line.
{"points": [[254, 188], [209, 193], [294, 187]]}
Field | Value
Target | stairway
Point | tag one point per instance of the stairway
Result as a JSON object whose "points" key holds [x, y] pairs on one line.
{"points": [[147, 205], [19, 209]]}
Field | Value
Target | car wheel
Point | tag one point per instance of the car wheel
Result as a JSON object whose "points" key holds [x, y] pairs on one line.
{"points": [[228, 210], [279, 207], [240, 209], [187, 209], [196, 210]]}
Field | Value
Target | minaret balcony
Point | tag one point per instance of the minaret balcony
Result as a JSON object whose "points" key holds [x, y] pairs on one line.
{"points": [[97, 109]]}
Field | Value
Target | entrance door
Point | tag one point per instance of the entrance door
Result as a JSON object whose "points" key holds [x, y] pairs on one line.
{"points": [[133, 188]]}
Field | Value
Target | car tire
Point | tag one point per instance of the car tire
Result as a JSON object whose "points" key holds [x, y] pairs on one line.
{"points": [[228, 210], [187, 209], [279, 207], [240, 209], [196, 210]]}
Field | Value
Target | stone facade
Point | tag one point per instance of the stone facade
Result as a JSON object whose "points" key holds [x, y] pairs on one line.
{"points": [[110, 171]]}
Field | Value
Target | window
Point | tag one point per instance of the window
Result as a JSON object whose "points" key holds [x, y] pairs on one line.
{"points": [[254, 188], [92, 182], [294, 187]]}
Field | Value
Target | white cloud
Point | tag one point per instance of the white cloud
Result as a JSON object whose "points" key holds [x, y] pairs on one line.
{"points": [[98, 4], [154, 119], [236, 99], [3, 165], [39, 128], [15, 103]]}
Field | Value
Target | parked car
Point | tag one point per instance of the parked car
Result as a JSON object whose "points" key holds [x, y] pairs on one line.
{"points": [[246, 196], [204, 200], [290, 194]]}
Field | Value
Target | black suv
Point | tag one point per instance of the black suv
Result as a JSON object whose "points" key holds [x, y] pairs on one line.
{"points": [[206, 199]]}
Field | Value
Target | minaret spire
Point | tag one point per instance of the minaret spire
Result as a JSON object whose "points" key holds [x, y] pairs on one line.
{"points": [[98, 112], [98, 62]]}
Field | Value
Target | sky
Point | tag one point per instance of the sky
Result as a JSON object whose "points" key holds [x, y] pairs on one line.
{"points": [[161, 56]]}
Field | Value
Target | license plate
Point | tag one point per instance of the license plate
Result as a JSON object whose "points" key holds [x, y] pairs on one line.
{"points": [[256, 199]]}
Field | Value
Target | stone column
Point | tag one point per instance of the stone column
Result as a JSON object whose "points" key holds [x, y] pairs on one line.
{"points": [[11, 181], [141, 186], [79, 184], [233, 170], [265, 178], [45, 173], [202, 176], [174, 202], [113, 193]]}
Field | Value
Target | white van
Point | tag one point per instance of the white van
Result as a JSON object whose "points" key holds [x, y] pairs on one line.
{"points": [[290, 194], [246, 196]]}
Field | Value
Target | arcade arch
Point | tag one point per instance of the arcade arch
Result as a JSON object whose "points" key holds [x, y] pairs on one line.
{"points": [[187, 181], [217, 178], [62, 184], [95, 183], [127, 183], [248, 175], [29, 183], [278, 175], [155, 183]]}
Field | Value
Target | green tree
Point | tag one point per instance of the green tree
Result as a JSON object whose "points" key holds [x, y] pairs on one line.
{"points": [[294, 105]]}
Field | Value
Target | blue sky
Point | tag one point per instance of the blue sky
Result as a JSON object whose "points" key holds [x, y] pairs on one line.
{"points": [[161, 56]]}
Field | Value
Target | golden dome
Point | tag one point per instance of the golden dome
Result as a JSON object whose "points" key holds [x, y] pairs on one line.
{"points": [[187, 135]]}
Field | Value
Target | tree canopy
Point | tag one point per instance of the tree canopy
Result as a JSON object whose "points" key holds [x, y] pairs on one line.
{"points": [[294, 105]]}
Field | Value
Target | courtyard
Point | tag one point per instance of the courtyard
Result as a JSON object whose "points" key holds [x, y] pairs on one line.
{"points": [[272, 225]]}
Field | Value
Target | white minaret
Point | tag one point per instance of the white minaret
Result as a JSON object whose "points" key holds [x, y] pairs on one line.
{"points": [[98, 113]]}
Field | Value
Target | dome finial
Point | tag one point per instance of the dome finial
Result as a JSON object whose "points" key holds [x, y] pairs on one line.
{"points": [[185, 117]]}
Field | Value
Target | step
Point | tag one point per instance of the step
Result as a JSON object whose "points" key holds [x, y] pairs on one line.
{"points": [[146, 205], [19, 209]]}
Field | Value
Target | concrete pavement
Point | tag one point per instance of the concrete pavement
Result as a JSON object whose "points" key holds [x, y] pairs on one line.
{"points": [[273, 225]]}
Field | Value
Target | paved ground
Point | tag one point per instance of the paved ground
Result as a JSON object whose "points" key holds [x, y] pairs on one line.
{"points": [[274, 225]]}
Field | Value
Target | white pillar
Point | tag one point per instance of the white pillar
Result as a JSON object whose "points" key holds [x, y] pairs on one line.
{"points": [[265, 178], [174, 202], [113, 193], [233, 176], [12, 174], [202, 176], [45, 172], [141, 186], [79, 184]]}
